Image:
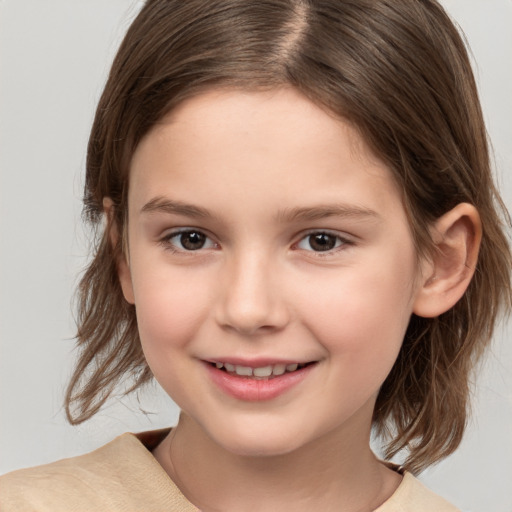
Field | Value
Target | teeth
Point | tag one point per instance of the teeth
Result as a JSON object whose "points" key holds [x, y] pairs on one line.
{"points": [[263, 371], [266, 371], [244, 371], [279, 369]]}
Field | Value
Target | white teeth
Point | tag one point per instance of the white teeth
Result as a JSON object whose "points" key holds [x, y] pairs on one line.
{"points": [[262, 372], [244, 371], [279, 369], [266, 371]]}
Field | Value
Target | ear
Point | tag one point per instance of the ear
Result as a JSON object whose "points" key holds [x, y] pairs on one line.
{"points": [[122, 263], [457, 236]]}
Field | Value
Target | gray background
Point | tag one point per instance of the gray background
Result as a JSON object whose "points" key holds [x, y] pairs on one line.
{"points": [[54, 56]]}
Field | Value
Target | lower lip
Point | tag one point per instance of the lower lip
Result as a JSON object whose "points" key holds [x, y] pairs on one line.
{"points": [[255, 390]]}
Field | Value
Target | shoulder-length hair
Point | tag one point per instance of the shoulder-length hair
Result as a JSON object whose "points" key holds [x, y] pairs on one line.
{"points": [[399, 72]]}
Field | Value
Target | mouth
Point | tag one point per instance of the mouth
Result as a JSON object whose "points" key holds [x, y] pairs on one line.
{"points": [[258, 381], [266, 372]]}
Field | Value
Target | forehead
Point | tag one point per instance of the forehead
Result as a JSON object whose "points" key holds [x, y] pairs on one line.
{"points": [[256, 143], [284, 111]]}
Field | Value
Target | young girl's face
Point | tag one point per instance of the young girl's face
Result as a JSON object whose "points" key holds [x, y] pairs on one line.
{"points": [[263, 235]]}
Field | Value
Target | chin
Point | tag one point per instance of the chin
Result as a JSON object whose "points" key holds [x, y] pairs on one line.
{"points": [[260, 442]]}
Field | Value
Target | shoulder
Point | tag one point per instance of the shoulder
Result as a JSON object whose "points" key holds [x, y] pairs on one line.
{"points": [[413, 496], [122, 475]]}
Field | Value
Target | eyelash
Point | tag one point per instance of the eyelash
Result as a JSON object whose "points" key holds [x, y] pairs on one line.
{"points": [[166, 240], [341, 242]]}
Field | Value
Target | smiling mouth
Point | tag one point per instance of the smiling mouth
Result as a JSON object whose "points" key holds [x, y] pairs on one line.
{"points": [[264, 372]]}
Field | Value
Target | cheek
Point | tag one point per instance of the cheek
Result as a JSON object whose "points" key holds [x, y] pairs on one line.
{"points": [[170, 307], [362, 313], [170, 310]]}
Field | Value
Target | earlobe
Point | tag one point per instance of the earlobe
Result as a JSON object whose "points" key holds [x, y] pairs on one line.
{"points": [[122, 263], [457, 236]]}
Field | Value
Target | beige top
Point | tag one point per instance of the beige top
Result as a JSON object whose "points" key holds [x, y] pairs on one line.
{"points": [[123, 476]]}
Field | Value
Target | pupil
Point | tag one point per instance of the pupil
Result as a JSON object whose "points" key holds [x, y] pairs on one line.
{"points": [[192, 240], [322, 242]]}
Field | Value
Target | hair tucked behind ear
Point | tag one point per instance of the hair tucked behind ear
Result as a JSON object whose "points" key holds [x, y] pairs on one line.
{"points": [[399, 72]]}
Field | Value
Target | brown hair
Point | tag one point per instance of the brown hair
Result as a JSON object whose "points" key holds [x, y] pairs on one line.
{"points": [[399, 71]]}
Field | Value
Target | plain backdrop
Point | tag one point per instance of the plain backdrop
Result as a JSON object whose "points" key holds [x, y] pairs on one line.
{"points": [[54, 56]]}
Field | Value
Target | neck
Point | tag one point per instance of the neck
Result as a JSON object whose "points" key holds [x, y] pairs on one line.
{"points": [[336, 472]]}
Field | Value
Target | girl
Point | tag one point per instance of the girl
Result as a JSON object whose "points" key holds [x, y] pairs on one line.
{"points": [[301, 242]]}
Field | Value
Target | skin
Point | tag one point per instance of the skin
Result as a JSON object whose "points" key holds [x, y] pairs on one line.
{"points": [[260, 288]]}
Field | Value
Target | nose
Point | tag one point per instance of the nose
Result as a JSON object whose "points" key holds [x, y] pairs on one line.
{"points": [[252, 296]]}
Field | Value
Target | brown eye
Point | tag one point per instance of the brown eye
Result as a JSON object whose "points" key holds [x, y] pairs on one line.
{"points": [[192, 240], [187, 240], [321, 242]]}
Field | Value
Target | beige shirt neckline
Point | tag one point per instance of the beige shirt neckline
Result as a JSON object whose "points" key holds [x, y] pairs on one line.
{"points": [[409, 491]]}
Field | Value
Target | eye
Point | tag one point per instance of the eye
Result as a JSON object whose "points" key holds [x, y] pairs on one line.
{"points": [[321, 242], [187, 240]]}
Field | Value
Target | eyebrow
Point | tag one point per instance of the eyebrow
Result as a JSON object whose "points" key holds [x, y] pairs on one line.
{"points": [[324, 211], [163, 205], [298, 214]]}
